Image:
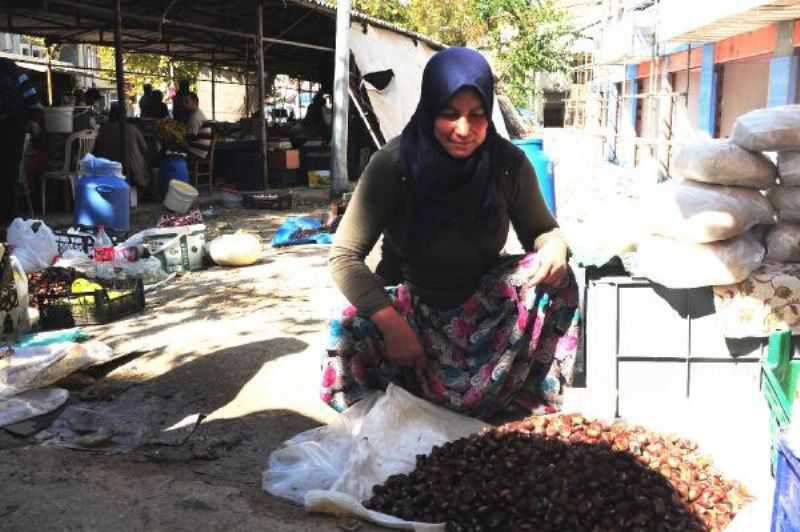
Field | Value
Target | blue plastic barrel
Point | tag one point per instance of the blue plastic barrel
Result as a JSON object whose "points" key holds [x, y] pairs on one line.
{"points": [[534, 149], [103, 197], [172, 167]]}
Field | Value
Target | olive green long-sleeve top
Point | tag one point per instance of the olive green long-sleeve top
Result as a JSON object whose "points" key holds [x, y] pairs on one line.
{"points": [[447, 269]]}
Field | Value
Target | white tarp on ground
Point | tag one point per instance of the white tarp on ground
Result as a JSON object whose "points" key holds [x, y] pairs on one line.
{"points": [[379, 49]]}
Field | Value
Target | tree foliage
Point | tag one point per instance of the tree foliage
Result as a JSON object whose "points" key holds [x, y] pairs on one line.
{"points": [[523, 36], [149, 68]]}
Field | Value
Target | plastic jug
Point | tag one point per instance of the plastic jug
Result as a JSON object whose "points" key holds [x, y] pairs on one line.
{"points": [[534, 150], [103, 196]]}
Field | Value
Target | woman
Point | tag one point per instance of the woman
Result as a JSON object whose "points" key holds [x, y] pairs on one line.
{"points": [[465, 327]]}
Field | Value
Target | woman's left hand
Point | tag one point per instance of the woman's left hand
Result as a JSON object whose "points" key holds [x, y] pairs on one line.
{"points": [[551, 263]]}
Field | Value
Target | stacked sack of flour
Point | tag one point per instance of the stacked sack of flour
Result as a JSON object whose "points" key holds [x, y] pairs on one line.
{"points": [[704, 228], [777, 129]]}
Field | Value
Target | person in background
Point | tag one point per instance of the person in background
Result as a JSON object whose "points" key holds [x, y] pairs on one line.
{"points": [[460, 324], [89, 118], [144, 101], [195, 118], [108, 146], [159, 108], [179, 111], [20, 113], [199, 133]]}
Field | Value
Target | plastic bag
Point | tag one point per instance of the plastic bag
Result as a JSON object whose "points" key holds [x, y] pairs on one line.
{"points": [[605, 234], [786, 201], [700, 213], [677, 264], [31, 404], [76, 260], [29, 368], [238, 249], [33, 243], [789, 168], [772, 129], [783, 243], [377, 437], [20, 319], [721, 162], [295, 231], [148, 270]]}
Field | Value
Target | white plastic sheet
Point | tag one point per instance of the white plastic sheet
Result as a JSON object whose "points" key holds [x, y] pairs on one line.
{"points": [[29, 368], [33, 243], [376, 438], [31, 404]]}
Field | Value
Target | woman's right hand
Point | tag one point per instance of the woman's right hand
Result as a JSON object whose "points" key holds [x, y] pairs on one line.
{"points": [[400, 341]]}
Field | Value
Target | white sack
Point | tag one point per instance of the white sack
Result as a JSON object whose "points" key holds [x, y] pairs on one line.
{"points": [[789, 168], [721, 162], [783, 243], [700, 213], [377, 437], [238, 249], [33, 243], [29, 368], [786, 201], [676, 264], [770, 129]]}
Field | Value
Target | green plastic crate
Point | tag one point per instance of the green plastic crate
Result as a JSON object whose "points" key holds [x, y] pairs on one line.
{"points": [[780, 376]]}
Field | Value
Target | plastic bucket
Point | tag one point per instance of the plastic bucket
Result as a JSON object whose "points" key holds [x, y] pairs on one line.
{"points": [[180, 196], [58, 119], [534, 150], [172, 167]]}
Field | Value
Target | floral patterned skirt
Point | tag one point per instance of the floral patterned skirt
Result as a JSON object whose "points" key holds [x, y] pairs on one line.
{"points": [[510, 345]]}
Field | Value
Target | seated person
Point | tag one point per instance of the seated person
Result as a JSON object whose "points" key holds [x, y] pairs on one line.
{"points": [[108, 146], [199, 134]]}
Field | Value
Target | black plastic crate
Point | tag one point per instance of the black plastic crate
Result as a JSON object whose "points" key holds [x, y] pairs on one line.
{"points": [[117, 299]]}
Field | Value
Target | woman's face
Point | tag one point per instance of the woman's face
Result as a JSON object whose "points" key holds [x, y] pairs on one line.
{"points": [[461, 126]]}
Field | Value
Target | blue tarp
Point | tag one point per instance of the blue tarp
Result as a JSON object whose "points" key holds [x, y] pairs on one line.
{"points": [[295, 231]]}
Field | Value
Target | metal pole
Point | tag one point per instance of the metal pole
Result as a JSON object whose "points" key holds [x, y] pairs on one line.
{"points": [[50, 76], [120, 65], [341, 100], [261, 127], [213, 88]]}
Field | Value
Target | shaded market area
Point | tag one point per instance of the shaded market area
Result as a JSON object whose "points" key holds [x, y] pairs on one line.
{"points": [[167, 303]]}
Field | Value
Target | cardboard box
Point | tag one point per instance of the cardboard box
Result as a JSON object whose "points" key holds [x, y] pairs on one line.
{"points": [[284, 159]]}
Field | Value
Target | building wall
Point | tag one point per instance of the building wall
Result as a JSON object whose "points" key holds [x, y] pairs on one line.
{"points": [[744, 87], [685, 119], [230, 97]]}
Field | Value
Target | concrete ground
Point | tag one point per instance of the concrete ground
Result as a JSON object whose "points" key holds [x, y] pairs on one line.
{"points": [[241, 347], [236, 345]]}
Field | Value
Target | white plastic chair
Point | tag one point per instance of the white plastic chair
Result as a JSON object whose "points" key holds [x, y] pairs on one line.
{"points": [[72, 156]]}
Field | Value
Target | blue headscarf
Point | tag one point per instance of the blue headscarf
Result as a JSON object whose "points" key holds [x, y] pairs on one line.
{"points": [[435, 174]]}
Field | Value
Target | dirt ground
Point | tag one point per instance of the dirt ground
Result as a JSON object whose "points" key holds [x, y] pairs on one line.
{"points": [[239, 346]]}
